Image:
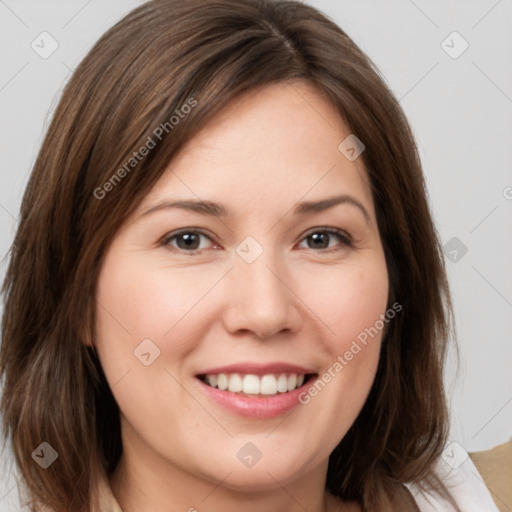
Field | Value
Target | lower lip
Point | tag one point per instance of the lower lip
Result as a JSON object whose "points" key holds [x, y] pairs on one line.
{"points": [[255, 406]]}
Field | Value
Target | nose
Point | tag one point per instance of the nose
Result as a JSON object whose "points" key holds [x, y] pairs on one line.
{"points": [[261, 298]]}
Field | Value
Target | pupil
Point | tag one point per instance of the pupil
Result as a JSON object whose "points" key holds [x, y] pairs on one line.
{"points": [[189, 241], [317, 237]]}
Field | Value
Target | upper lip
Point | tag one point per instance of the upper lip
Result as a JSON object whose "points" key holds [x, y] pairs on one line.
{"points": [[257, 368]]}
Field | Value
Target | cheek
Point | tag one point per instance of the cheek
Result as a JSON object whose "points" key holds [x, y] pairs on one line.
{"points": [[350, 302], [137, 301], [147, 301]]}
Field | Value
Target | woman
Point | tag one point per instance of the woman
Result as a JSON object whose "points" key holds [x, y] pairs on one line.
{"points": [[226, 289]]}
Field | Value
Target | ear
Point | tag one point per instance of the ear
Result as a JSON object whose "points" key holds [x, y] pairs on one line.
{"points": [[87, 341], [86, 334]]}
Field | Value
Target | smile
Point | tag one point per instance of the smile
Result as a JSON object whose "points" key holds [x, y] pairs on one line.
{"points": [[250, 384], [254, 390]]}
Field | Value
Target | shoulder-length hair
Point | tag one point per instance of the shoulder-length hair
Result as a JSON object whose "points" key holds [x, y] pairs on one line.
{"points": [[163, 55]]}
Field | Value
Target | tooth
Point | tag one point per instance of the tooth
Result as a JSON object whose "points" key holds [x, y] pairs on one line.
{"points": [[282, 383], [254, 385], [268, 385], [251, 384], [222, 381], [235, 383], [292, 381]]}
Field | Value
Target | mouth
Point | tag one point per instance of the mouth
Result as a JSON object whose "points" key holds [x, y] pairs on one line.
{"points": [[256, 391], [266, 385]]}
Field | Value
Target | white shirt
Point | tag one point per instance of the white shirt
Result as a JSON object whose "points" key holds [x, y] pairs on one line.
{"points": [[465, 485]]}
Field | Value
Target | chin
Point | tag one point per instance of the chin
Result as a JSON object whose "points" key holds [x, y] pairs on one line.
{"points": [[263, 475], [255, 480]]}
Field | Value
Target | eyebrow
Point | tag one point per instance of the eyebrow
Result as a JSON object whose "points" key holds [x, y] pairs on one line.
{"points": [[213, 209]]}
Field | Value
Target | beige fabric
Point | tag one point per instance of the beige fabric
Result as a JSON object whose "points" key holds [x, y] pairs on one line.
{"points": [[106, 500], [495, 466], [103, 501]]}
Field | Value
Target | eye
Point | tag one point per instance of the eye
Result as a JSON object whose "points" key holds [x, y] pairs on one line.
{"points": [[186, 240], [189, 240], [320, 238]]}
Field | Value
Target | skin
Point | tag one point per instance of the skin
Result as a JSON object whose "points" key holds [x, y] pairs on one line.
{"points": [[297, 302]]}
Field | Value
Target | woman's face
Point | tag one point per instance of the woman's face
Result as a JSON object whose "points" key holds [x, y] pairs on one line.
{"points": [[270, 286]]}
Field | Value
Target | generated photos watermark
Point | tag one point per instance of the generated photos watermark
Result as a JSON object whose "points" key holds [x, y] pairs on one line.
{"points": [[357, 345], [144, 150]]}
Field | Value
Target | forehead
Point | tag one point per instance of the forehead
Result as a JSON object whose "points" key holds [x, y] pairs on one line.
{"points": [[277, 144]]}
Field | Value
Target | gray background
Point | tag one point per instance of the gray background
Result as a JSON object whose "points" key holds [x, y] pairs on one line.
{"points": [[460, 110]]}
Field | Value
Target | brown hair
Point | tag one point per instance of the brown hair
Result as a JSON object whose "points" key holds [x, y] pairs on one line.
{"points": [[161, 56]]}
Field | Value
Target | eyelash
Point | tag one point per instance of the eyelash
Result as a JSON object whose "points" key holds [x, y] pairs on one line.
{"points": [[346, 240]]}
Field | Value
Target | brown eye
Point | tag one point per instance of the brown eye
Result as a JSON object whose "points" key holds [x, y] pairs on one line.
{"points": [[322, 238], [187, 241]]}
